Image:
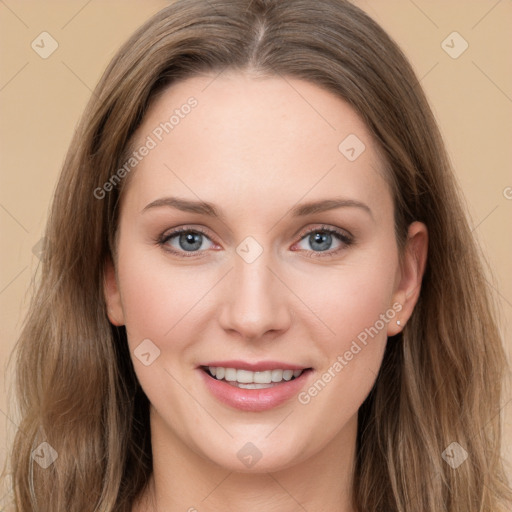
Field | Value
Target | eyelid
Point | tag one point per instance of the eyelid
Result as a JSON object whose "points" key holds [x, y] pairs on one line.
{"points": [[325, 227], [343, 236], [168, 234]]}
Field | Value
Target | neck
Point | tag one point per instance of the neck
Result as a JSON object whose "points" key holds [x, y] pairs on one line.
{"points": [[184, 481]]}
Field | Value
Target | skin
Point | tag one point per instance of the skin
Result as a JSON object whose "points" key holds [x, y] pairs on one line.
{"points": [[256, 147]]}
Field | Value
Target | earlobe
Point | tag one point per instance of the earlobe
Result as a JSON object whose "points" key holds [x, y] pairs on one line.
{"points": [[112, 295], [412, 271]]}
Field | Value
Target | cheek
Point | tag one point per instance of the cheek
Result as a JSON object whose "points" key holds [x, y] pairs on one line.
{"points": [[335, 303], [159, 299], [354, 301], [350, 298]]}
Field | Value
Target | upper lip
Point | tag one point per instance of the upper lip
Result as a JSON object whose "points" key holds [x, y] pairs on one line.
{"points": [[258, 366]]}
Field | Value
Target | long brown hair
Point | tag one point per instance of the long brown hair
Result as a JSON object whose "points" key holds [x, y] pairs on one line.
{"points": [[440, 380]]}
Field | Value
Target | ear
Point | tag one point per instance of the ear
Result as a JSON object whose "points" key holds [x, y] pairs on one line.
{"points": [[112, 296], [412, 269]]}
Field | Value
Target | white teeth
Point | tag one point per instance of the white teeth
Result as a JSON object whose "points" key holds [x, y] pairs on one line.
{"points": [[252, 385], [287, 374], [230, 374], [253, 380], [277, 375], [244, 376], [263, 377]]}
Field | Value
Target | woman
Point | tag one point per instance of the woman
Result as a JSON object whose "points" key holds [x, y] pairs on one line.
{"points": [[259, 290]]}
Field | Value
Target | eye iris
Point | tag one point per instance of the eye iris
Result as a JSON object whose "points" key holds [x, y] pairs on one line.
{"points": [[325, 240], [191, 241], [186, 239]]}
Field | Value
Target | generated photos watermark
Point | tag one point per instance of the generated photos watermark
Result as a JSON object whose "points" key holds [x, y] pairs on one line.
{"points": [[356, 346], [157, 135]]}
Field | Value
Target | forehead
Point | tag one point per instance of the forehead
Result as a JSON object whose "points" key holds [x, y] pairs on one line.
{"points": [[235, 137]]}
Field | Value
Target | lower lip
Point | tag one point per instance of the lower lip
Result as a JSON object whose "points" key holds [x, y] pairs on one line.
{"points": [[254, 400]]}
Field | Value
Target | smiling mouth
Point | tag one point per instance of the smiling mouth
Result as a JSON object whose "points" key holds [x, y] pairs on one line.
{"points": [[246, 379]]}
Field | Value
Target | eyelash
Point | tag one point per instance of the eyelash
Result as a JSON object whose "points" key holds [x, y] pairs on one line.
{"points": [[346, 239], [342, 236]]}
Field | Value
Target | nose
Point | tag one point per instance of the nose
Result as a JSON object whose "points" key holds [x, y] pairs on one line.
{"points": [[256, 302]]}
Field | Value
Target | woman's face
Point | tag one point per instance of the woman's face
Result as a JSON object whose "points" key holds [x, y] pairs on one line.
{"points": [[291, 265]]}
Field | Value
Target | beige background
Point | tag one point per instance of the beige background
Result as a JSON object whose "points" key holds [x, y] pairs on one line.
{"points": [[42, 99]]}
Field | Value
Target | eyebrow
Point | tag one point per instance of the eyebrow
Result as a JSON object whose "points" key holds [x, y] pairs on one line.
{"points": [[302, 210]]}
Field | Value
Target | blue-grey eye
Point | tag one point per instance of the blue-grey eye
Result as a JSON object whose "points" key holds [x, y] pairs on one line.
{"points": [[321, 241], [190, 241], [187, 240]]}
